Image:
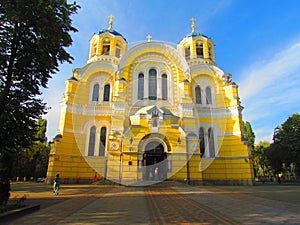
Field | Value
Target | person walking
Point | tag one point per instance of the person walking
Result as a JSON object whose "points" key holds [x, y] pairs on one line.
{"points": [[56, 184]]}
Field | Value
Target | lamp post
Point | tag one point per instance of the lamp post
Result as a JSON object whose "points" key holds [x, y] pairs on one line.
{"points": [[121, 160], [130, 149], [187, 160]]}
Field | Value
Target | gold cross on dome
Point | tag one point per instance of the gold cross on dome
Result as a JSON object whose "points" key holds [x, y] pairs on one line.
{"points": [[193, 24], [149, 37], [110, 21]]}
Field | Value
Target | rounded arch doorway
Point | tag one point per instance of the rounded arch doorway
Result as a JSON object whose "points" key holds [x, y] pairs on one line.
{"points": [[154, 160]]}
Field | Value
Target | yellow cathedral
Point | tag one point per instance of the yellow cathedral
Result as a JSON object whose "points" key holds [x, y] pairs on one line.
{"points": [[151, 112]]}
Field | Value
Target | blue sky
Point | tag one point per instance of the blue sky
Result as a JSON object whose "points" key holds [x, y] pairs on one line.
{"points": [[258, 42]]}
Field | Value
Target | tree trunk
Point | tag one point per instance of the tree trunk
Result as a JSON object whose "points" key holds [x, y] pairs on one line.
{"points": [[5, 169]]}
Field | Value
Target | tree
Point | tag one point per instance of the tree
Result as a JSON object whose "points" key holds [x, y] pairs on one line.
{"points": [[289, 137], [40, 159], [260, 160], [249, 134], [33, 160], [286, 146], [275, 157], [33, 38]]}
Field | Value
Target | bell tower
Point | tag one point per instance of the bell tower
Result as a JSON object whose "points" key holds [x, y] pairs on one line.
{"points": [[107, 43], [196, 45]]}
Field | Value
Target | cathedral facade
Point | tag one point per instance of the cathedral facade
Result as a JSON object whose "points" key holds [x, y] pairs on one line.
{"points": [[151, 112]]}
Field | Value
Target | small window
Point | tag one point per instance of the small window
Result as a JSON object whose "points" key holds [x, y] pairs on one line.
{"points": [[92, 139], [187, 52], [118, 50], [208, 95], [198, 95], [102, 141], [211, 143], [141, 86], [95, 96], [164, 87], [106, 93], [199, 49], [201, 140], [105, 46], [94, 48]]}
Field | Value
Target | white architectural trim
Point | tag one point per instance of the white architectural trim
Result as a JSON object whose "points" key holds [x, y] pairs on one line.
{"points": [[155, 139], [141, 47], [207, 67], [229, 134], [97, 66], [73, 131]]}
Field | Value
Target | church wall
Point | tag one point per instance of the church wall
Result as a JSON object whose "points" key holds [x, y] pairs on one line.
{"points": [[127, 131]]}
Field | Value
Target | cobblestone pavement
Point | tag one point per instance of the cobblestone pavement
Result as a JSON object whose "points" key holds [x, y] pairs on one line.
{"points": [[246, 208], [55, 208], [166, 203], [171, 207]]}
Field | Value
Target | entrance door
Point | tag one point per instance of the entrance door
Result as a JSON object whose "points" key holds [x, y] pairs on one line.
{"points": [[154, 160]]}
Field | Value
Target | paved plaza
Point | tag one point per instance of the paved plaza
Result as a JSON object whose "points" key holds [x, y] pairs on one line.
{"points": [[165, 203]]}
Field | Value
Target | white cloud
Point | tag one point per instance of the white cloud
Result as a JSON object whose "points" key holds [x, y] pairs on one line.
{"points": [[270, 91], [272, 72]]}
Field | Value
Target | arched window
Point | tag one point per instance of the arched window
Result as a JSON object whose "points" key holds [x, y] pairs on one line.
{"points": [[199, 49], [105, 46], [187, 52], [201, 140], [164, 86], [92, 139], [95, 96], [141, 86], [152, 84], [208, 95], [118, 49], [106, 93], [211, 143], [198, 95], [102, 144]]}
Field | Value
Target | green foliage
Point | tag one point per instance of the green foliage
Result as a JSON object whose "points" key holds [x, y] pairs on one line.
{"points": [[33, 38], [31, 161], [286, 146], [288, 139], [249, 134], [275, 157], [260, 160], [41, 130]]}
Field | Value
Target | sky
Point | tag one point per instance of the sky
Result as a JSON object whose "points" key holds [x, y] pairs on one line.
{"points": [[256, 41]]}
